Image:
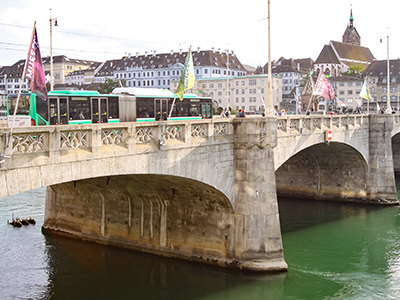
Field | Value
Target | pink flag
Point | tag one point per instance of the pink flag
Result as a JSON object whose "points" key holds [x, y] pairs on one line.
{"points": [[35, 71], [324, 88]]}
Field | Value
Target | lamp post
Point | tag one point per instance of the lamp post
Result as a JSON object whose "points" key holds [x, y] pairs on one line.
{"points": [[227, 80], [51, 50], [270, 110], [388, 106]]}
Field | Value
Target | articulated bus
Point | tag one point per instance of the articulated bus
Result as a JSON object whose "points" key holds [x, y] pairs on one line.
{"points": [[150, 104], [124, 104], [66, 107]]}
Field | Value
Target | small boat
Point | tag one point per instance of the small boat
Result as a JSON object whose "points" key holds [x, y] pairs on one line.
{"points": [[31, 220], [15, 223], [24, 221]]}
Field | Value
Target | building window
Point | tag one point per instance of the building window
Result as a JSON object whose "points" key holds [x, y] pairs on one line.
{"points": [[252, 82]]}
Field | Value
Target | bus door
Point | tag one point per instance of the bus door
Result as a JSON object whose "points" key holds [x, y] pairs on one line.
{"points": [[58, 111], [206, 110], [161, 109], [99, 110]]}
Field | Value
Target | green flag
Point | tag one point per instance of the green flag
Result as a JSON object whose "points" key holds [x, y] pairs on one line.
{"points": [[187, 78], [365, 92]]}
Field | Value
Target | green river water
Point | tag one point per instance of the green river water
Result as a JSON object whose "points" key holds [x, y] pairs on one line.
{"points": [[334, 251]]}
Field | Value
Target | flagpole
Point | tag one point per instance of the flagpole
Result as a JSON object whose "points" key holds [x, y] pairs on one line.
{"points": [[173, 103], [9, 144], [187, 78], [312, 93]]}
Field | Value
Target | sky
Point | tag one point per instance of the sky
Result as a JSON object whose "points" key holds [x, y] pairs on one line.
{"points": [[100, 31]]}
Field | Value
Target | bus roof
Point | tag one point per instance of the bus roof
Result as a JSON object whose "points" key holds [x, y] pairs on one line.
{"points": [[76, 93], [143, 92], [150, 92]]}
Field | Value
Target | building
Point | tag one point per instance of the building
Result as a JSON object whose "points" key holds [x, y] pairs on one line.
{"points": [[83, 77], [10, 76], [244, 92], [159, 70], [3, 107], [336, 57], [63, 65], [347, 90], [293, 73], [377, 78], [10, 79]]}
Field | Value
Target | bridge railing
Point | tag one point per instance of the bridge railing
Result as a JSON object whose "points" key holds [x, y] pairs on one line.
{"points": [[49, 144], [300, 124]]}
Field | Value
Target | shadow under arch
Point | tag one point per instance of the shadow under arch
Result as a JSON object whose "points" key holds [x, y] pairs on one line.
{"points": [[161, 214], [334, 171], [396, 152]]}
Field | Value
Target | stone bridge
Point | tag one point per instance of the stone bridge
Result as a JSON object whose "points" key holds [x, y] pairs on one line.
{"points": [[204, 191]]}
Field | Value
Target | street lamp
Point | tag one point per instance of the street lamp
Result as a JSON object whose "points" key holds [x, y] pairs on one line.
{"points": [[52, 20], [388, 106], [270, 110], [227, 79]]}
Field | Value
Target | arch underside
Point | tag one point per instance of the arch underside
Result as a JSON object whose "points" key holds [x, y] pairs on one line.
{"points": [[168, 215], [396, 152], [333, 171]]}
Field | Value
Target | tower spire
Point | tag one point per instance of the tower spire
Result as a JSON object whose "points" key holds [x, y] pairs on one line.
{"points": [[351, 18]]}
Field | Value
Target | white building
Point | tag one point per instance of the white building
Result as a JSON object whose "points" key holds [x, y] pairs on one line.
{"points": [[244, 92], [158, 70]]}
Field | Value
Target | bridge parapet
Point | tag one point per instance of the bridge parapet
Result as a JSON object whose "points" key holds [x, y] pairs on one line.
{"points": [[299, 124], [33, 146]]}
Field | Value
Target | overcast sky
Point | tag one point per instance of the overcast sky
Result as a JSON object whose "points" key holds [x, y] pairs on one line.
{"points": [[98, 30]]}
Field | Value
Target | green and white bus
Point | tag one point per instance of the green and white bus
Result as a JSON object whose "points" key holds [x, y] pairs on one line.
{"points": [[150, 104], [66, 107], [124, 104]]}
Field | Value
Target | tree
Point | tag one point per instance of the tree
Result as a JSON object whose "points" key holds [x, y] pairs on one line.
{"points": [[110, 84], [354, 70]]}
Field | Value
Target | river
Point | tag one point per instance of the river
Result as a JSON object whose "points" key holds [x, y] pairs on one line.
{"points": [[334, 251]]}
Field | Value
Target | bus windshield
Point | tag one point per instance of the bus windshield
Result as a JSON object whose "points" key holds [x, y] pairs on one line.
{"points": [[23, 104]]}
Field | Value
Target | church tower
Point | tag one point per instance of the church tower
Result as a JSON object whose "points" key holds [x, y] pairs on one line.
{"points": [[351, 35]]}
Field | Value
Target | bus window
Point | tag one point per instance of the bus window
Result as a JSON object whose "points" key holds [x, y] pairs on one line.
{"points": [[79, 108], [113, 108], [23, 104], [194, 109], [145, 107]]}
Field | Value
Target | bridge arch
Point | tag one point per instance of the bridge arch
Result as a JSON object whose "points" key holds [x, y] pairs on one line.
{"points": [[151, 212], [396, 152], [334, 171]]}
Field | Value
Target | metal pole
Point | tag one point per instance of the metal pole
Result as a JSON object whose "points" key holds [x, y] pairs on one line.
{"points": [[10, 143], [227, 80], [270, 109], [51, 51], [388, 106]]}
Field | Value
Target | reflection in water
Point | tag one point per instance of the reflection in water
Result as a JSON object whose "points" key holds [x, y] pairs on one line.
{"points": [[82, 270], [334, 251]]}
